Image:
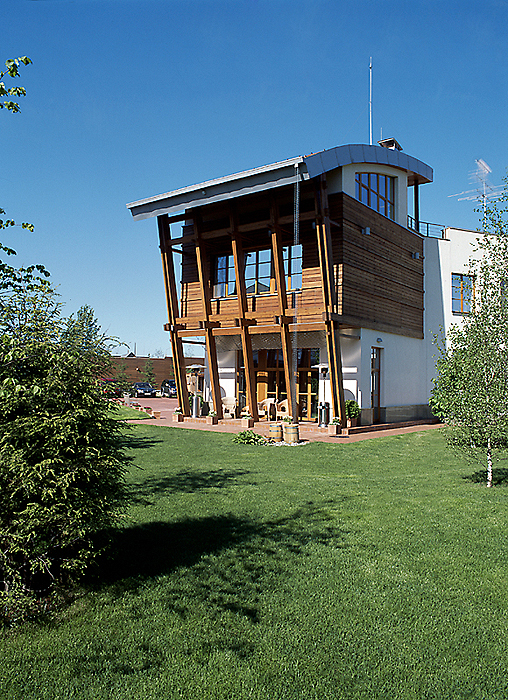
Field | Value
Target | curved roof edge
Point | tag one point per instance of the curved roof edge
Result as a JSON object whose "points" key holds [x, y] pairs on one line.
{"points": [[322, 162], [277, 175]]}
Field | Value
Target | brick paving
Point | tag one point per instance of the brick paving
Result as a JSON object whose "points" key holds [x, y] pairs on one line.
{"points": [[308, 431]]}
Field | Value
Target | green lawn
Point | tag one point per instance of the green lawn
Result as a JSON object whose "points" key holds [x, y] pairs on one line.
{"points": [[374, 570]]}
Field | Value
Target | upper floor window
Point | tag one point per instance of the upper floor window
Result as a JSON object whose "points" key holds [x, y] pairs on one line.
{"points": [[224, 278], [462, 293], [293, 266], [259, 272], [377, 192]]}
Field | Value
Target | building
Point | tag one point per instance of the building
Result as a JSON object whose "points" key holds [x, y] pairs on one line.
{"points": [[134, 368], [309, 281]]}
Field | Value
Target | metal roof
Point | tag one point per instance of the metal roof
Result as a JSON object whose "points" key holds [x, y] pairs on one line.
{"points": [[277, 175]]}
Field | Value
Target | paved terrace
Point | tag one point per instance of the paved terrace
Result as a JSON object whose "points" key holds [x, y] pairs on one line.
{"points": [[308, 431]]}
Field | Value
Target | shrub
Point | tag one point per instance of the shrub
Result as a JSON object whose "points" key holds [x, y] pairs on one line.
{"points": [[249, 437], [61, 461]]}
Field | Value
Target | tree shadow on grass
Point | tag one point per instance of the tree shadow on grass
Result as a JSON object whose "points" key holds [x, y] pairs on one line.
{"points": [[243, 551], [185, 481], [499, 477], [135, 442]]}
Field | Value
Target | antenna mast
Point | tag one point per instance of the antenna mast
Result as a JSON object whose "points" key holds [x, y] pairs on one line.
{"points": [[370, 101]]}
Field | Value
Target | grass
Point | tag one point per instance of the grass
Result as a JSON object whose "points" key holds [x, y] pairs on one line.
{"points": [[373, 570], [127, 413]]}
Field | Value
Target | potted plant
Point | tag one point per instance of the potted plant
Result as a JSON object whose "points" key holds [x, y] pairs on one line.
{"points": [[334, 427], [211, 418], [290, 430], [177, 415], [353, 411], [247, 420]]}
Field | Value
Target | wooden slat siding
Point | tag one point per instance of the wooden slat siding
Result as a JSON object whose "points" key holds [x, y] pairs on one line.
{"points": [[172, 307], [380, 284], [248, 357], [325, 251], [360, 281], [204, 281]]}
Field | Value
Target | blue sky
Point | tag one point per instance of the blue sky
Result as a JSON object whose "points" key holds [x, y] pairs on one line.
{"points": [[131, 98]]}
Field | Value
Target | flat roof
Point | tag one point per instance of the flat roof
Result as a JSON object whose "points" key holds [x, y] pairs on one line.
{"points": [[277, 175]]}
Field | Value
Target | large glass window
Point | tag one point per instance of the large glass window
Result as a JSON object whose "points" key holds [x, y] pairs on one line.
{"points": [[462, 293], [293, 267], [224, 279], [377, 192], [259, 272]]}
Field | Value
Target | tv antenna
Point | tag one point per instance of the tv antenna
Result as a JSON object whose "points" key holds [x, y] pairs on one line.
{"points": [[484, 191]]}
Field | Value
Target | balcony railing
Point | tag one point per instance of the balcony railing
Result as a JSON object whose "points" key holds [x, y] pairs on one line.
{"points": [[424, 228]]}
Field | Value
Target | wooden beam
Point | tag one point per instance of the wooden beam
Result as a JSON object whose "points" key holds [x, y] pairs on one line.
{"points": [[248, 356], [168, 272], [285, 337], [204, 283], [329, 300]]}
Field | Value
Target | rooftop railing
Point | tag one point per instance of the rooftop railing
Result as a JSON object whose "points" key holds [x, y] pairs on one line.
{"points": [[424, 228]]}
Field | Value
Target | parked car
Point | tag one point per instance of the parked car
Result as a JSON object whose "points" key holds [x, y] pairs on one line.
{"points": [[168, 388], [142, 389]]}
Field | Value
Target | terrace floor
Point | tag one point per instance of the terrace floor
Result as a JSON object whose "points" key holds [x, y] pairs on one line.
{"points": [[308, 431]]}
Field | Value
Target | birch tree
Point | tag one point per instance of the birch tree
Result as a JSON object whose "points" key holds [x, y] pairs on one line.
{"points": [[471, 386]]}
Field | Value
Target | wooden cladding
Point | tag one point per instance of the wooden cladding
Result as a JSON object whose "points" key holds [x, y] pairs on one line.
{"points": [[378, 278]]}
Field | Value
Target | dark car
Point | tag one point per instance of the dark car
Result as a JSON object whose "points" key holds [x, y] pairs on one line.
{"points": [[168, 388], [142, 389]]}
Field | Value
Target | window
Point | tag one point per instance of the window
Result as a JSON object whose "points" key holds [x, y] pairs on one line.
{"points": [[259, 272], [462, 293], [224, 279], [293, 267], [377, 192]]}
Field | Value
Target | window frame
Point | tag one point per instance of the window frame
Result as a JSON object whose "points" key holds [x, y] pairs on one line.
{"points": [[256, 262], [376, 191], [465, 296]]}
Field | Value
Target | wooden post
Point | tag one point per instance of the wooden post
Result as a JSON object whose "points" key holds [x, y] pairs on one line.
{"points": [[285, 336], [211, 349], [248, 357], [329, 301], [168, 272]]}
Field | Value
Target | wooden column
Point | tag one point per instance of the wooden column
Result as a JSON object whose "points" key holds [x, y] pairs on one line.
{"points": [[248, 357], [204, 283], [329, 301], [168, 272], [285, 336]]}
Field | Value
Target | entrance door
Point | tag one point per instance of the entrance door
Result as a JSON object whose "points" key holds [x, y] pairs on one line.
{"points": [[375, 383], [271, 379], [308, 383]]}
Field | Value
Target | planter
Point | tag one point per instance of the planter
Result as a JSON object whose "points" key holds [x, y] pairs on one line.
{"points": [[291, 433], [156, 414], [212, 420], [351, 422], [275, 432], [334, 429], [177, 417], [247, 422]]}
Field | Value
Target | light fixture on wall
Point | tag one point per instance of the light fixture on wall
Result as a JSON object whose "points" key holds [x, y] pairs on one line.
{"points": [[379, 340]]}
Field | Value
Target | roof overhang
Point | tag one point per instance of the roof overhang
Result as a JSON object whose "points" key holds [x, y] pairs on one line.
{"points": [[277, 175]]}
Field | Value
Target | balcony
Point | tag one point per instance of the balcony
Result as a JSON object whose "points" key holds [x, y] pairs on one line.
{"points": [[424, 228]]}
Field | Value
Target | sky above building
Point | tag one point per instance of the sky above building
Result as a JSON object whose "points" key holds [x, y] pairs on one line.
{"points": [[127, 99]]}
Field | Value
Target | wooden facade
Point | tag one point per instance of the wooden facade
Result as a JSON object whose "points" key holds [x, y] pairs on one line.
{"points": [[359, 269]]}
